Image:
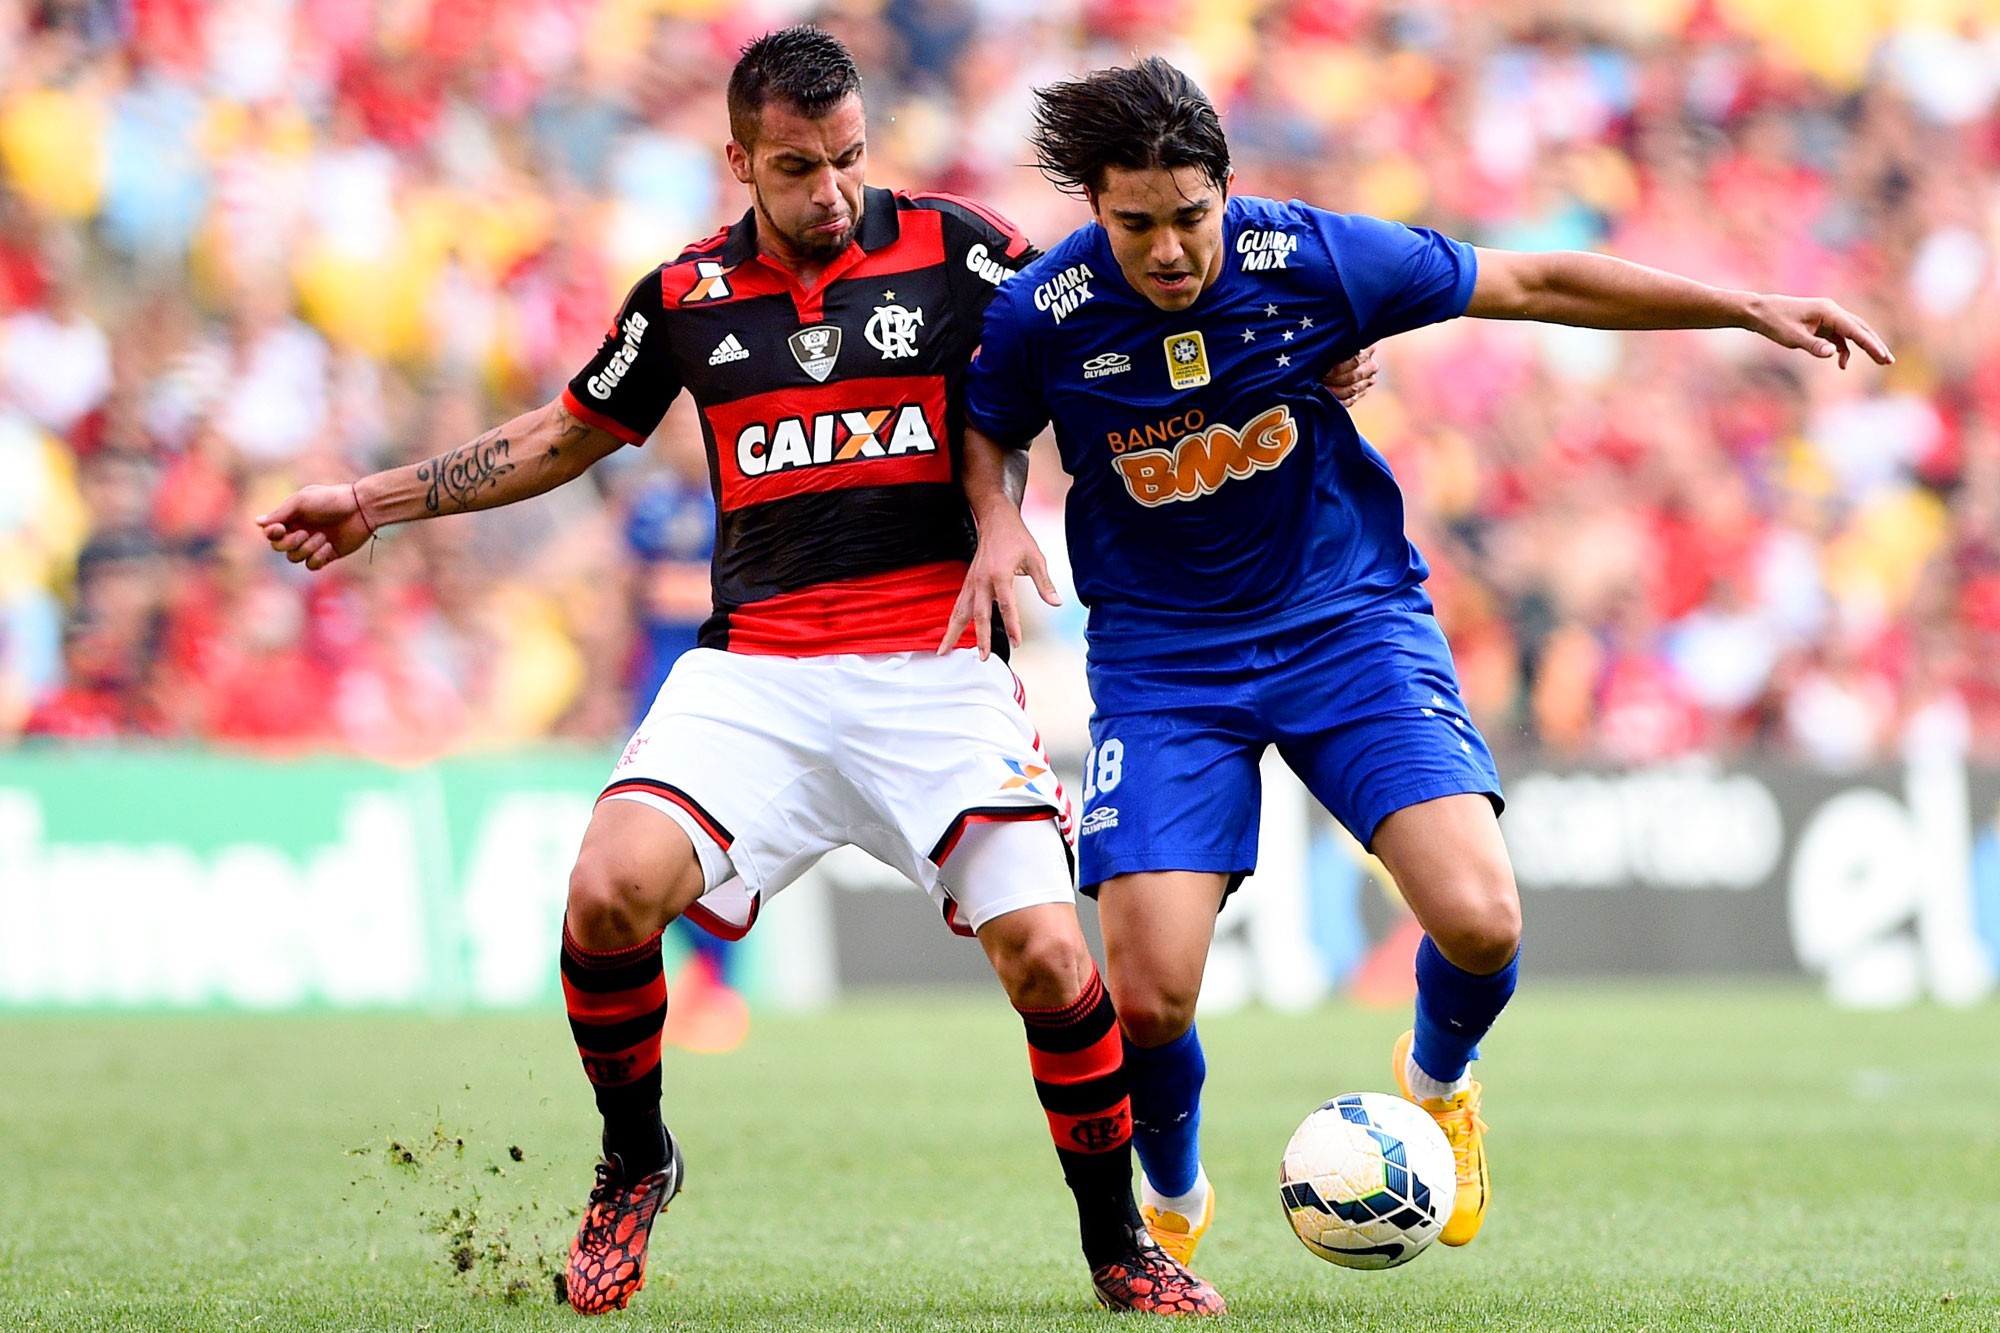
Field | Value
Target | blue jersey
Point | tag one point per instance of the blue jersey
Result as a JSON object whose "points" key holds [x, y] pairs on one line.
{"points": [[1220, 492]]}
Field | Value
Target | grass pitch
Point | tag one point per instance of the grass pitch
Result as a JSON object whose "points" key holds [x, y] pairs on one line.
{"points": [[1664, 1159]]}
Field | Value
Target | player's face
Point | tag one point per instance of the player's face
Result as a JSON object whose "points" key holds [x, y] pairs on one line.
{"points": [[1165, 229], [805, 175]]}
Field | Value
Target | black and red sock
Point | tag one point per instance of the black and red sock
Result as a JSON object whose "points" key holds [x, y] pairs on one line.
{"points": [[617, 1003], [1078, 1060]]}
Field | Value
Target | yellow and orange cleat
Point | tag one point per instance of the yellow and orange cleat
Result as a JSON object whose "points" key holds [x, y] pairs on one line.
{"points": [[1174, 1232], [607, 1260], [1458, 1117]]}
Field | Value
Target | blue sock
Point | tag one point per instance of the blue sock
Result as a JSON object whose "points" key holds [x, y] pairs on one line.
{"points": [[1454, 1010], [1166, 1110]]}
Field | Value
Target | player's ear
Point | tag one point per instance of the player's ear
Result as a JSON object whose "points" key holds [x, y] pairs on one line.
{"points": [[739, 161]]}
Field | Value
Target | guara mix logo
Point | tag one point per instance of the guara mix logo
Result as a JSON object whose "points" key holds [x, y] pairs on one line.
{"points": [[1203, 459]]}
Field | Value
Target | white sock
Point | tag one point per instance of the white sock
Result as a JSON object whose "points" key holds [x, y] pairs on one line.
{"points": [[1188, 1205], [1425, 1088]]}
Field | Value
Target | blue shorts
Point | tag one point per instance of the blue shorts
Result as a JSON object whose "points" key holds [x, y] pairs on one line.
{"points": [[1365, 710]]}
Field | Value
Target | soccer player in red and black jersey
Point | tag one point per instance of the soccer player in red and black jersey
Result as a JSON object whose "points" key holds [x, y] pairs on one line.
{"points": [[823, 338]]}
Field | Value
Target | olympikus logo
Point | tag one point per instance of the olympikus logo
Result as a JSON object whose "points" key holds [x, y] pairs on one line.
{"points": [[728, 350], [1265, 249], [1201, 462], [604, 381], [833, 437], [1110, 363], [980, 260], [1063, 293]]}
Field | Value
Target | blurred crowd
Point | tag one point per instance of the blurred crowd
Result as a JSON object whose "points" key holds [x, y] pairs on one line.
{"points": [[248, 244]]}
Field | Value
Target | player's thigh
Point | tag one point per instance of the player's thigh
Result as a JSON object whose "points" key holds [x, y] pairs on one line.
{"points": [[735, 752], [1157, 928], [1450, 862], [941, 757], [1172, 789], [1400, 735], [636, 871]]}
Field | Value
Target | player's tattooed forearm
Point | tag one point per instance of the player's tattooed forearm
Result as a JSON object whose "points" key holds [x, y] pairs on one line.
{"points": [[454, 480], [568, 431]]}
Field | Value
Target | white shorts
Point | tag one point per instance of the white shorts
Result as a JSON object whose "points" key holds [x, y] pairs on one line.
{"points": [[768, 763]]}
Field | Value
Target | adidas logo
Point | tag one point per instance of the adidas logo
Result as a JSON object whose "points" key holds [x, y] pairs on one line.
{"points": [[728, 350]]}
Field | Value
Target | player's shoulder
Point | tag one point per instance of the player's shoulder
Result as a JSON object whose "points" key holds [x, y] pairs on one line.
{"points": [[1061, 278], [979, 222], [708, 247], [699, 274]]}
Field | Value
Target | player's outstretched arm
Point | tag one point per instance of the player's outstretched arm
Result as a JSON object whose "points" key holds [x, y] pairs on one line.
{"points": [[1599, 292], [535, 452], [995, 478]]}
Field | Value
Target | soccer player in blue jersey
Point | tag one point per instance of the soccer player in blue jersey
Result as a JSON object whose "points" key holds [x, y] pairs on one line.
{"points": [[1241, 550]]}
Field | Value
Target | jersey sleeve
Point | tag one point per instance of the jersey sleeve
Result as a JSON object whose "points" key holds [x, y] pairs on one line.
{"points": [[1395, 278], [1003, 392], [627, 387]]}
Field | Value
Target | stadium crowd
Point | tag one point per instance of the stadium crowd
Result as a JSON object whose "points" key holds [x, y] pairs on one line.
{"points": [[252, 243]]}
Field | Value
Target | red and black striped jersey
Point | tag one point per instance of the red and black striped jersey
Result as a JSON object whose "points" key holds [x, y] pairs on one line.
{"points": [[832, 418]]}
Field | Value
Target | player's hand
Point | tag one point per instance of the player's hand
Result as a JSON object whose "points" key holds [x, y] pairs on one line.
{"points": [[1007, 551], [1817, 325], [1353, 377], [316, 526]]}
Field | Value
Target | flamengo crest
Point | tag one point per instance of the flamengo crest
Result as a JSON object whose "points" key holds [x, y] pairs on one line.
{"points": [[816, 347], [892, 331]]}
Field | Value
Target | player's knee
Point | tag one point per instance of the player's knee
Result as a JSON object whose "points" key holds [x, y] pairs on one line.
{"points": [[1043, 968], [1483, 930], [610, 905], [1155, 1014]]}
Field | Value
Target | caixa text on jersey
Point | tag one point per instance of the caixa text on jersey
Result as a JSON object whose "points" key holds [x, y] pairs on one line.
{"points": [[833, 437]]}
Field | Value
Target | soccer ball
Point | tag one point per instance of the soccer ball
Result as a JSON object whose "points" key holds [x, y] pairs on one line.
{"points": [[1368, 1181]]}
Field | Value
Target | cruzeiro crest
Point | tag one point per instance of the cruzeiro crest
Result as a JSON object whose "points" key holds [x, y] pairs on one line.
{"points": [[892, 331], [816, 347]]}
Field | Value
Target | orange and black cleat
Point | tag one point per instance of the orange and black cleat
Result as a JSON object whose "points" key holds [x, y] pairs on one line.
{"points": [[1146, 1280], [607, 1260]]}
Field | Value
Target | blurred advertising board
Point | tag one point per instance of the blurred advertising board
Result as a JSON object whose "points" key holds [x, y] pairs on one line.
{"points": [[193, 879], [197, 880]]}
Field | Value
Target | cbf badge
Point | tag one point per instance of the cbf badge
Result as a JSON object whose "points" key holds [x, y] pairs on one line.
{"points": [[1187, 360], [816, 347]]}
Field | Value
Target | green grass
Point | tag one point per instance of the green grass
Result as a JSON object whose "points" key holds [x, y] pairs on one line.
{"points": [[1703, 1159]]}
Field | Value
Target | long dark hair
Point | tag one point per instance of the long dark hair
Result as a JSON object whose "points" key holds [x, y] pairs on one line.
{"points": [[1136, 117], [801, 66]]}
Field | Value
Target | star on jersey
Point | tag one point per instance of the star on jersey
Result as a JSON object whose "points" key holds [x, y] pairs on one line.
{"points": [[890, 296], [1290, 334], [1284, 360], [1249, 335], [1270, 310], [1305, 321]]}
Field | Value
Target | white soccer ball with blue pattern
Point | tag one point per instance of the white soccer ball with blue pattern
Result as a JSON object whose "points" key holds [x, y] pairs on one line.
{"points": [[1368, 1181]]}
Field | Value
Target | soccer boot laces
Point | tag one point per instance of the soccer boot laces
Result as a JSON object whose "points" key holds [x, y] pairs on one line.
{"points": [[607, 1260], [1458, 1116], [1175, 1232], [1145, 1279]]}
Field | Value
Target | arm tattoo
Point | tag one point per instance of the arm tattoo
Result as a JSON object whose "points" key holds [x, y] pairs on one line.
{"points": [[572, 431], [459, 476]]}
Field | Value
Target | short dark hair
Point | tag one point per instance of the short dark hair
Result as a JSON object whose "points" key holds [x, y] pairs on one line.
{"points": [[801, 66], [1136, 117]]}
